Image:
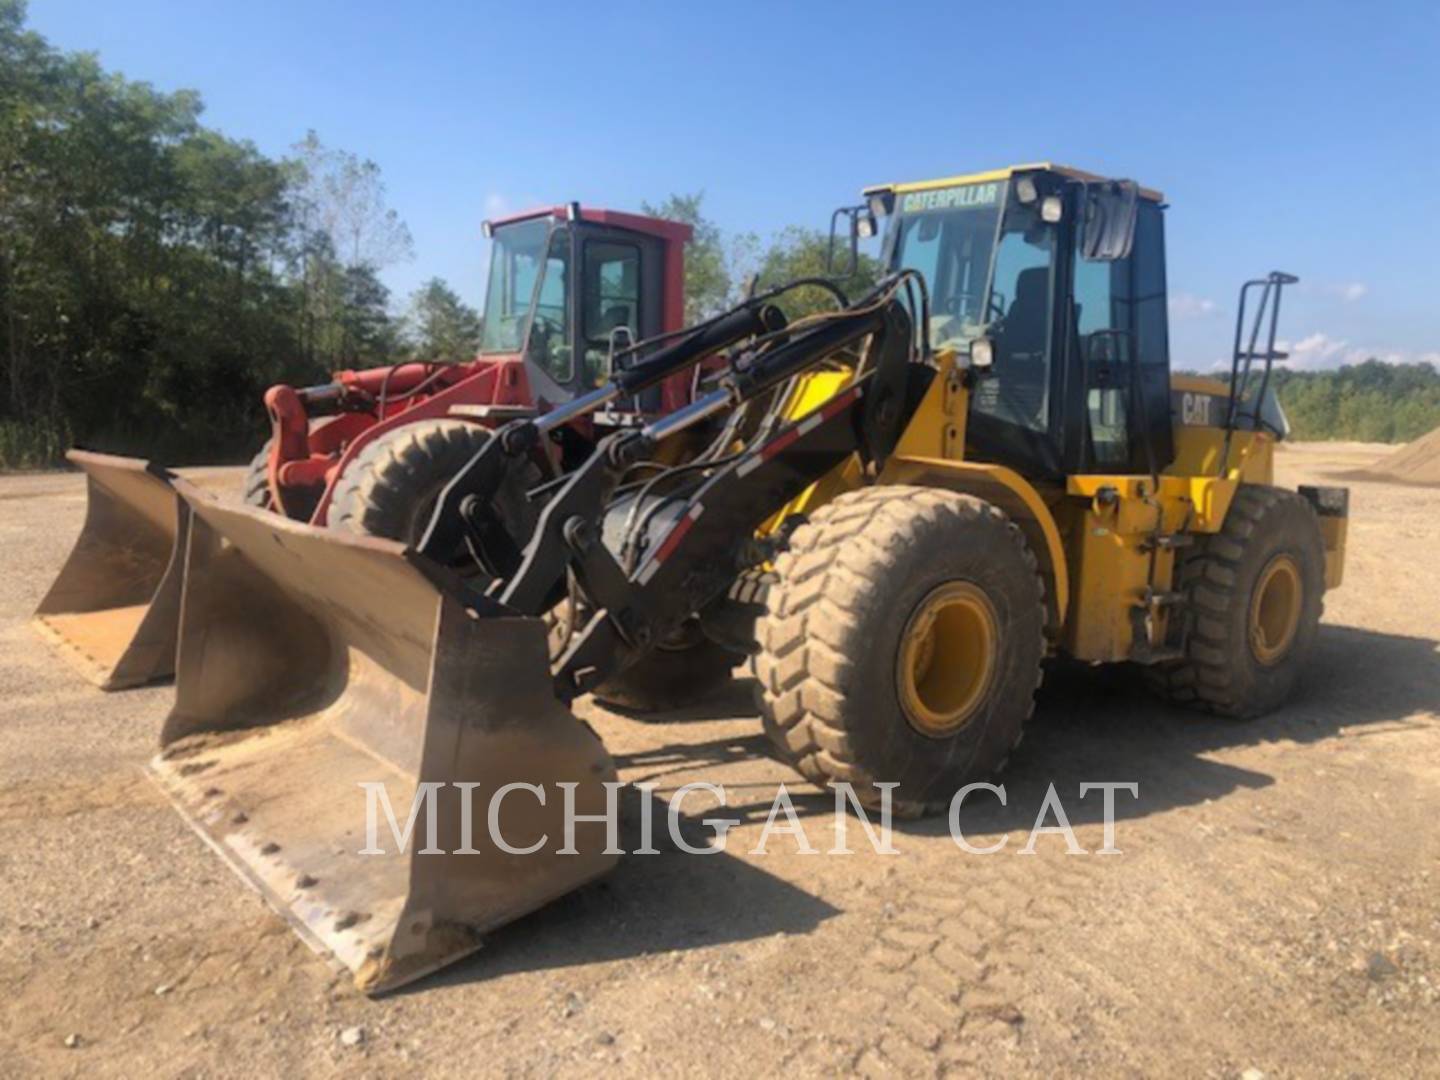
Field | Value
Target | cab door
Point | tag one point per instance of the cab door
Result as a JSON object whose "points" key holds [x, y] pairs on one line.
{"points": [[1013, 415], [1118, 356], [619, 300]]}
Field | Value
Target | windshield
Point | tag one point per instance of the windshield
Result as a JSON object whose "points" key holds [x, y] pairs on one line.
{"points": [[517, 260], [948, 234]]}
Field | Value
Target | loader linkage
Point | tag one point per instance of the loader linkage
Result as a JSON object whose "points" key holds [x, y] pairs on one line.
{"points": [[703, 546]]}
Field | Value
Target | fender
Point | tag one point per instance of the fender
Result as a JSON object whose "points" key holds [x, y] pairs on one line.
{"points": [[1013, 494], [498, 384]]}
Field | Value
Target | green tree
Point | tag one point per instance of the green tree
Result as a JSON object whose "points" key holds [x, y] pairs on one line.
{"points": [[156, 275], [707, 270], [439, 325], [1372, 402], [797, 252], [368, 336]]}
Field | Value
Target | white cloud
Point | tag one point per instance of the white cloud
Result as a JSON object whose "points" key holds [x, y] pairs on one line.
{"points": [[1185, 305], [496, 205], [1315, 352], [1348, 291], [1321, 352]]}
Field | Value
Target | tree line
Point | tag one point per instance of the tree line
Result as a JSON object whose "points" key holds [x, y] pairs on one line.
{"points": [[1370, 402], [156, 275]]}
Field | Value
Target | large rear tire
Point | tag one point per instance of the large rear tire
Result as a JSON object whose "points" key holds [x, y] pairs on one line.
{"points": [[902, 645], [390, 488], [1255, 591]]}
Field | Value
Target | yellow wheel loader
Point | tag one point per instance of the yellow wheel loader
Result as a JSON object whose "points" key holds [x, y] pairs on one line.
{"points": [[983, 462]]}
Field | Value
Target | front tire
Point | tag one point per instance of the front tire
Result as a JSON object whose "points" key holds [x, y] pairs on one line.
{"points": [[902, 644], [390, 488], [1255, 591], [671, 675], [679, 672], [256, 490]]}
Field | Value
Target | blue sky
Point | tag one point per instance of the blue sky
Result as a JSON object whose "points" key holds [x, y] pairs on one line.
{"points": [[1304, 137]]}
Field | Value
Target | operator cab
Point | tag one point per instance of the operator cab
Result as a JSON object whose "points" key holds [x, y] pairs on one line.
{"points": [[569, 288], [1052, 282]]}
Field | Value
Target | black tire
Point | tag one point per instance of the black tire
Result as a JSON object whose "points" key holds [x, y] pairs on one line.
{"points": [[671, 676], [838, 618], [1223, 672], [390, 488], [680, 672], [257, 488], [257, 478]]}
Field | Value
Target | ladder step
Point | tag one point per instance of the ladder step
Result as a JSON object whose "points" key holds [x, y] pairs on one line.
{"points": [[1157, 654], [1163, 599], [1169, 541]]}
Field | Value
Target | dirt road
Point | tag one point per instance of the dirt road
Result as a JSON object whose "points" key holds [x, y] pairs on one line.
{"points": [[1274, 908]]}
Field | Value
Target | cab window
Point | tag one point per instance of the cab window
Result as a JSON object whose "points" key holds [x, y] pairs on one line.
{"points": [[610, 301], [548, 346], [1017, 390], [1104, 348]]}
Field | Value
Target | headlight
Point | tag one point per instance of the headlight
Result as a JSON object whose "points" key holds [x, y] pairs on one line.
{"points": [[982, 353]]}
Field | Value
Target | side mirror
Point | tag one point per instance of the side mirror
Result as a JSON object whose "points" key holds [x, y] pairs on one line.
{"points": [[1107, 354], [862, 225], [1108, 227]]}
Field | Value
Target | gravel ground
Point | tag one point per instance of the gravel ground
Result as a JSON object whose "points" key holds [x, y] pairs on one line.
{"points": [[1273, 910]]}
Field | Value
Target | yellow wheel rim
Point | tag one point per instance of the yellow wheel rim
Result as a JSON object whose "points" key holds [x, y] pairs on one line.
{"points": [[947, 658], [1275, 609]]}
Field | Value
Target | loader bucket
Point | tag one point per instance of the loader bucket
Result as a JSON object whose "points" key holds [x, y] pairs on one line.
{"points": [[112, 611], [312, 663]]}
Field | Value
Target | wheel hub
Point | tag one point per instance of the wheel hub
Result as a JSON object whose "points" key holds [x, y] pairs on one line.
{"points": [[947, 658], [1275, 608]]}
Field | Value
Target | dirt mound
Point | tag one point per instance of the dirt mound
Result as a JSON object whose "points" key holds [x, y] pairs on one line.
{"points": [[1416, 462]]}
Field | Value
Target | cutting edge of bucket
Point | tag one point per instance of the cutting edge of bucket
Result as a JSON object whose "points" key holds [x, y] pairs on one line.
{"points": [[339, 956]]}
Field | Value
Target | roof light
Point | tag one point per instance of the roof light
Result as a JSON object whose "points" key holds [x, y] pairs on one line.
{"points": [[572, 211], [1025, 190], [487, 230], [1051, 209]]}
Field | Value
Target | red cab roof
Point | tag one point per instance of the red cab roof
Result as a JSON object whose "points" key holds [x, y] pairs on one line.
{"points": [[665, 230]]}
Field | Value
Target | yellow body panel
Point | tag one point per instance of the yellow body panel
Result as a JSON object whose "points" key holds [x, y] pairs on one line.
{"points": [[809, 393], [1111, 572], [1113, 555], [1106, 577]]}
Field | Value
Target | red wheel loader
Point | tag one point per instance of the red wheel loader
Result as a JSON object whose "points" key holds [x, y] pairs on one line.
{"points": [[570, 290]]}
